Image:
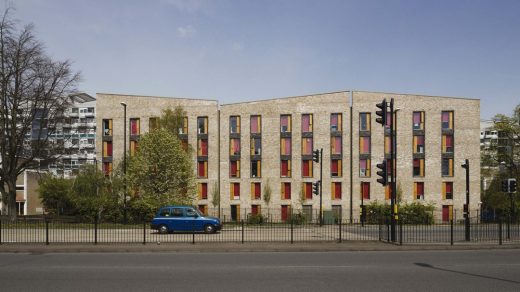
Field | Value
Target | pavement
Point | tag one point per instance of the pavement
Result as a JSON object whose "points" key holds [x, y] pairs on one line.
{"points": [[246, 247]]}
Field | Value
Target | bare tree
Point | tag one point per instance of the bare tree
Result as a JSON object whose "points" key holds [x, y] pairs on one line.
{"points": [[34, 93]]}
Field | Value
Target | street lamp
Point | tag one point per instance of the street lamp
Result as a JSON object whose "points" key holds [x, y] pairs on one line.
{"points": [[124, 163]]}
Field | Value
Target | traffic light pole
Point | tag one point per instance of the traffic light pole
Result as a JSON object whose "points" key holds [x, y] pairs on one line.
{"points": [[466, 209], [392, 176], [321, 187]]}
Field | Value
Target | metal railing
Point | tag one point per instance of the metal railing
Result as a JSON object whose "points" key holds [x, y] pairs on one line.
{"points": [[271, 229]]}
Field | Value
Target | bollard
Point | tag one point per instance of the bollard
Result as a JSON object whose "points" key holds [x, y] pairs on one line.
{"points": [[451, 231]]}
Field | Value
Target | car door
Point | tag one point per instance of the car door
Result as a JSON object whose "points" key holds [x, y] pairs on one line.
{"points": [[176, 221], [193, 221]]}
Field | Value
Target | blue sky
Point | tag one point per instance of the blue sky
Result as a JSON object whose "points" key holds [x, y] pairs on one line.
{"points": [[244, 50]]}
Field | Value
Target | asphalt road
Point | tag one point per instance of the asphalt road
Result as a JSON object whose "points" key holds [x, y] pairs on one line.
{"points": [[480, 270]]}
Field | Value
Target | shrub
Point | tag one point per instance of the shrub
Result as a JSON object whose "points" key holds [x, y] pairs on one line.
{"points": [[255, 219]]}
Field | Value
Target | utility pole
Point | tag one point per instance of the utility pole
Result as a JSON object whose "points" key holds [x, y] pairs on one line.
{"points": [[466, 206]]}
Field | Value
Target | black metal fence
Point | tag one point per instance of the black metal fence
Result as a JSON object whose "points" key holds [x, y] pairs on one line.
{"points": [[270, 229]]}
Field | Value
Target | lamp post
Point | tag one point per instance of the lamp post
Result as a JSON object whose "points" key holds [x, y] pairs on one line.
{"points": [[124, 163]]}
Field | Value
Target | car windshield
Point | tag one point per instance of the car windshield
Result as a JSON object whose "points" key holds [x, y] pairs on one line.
{"points": [[193, 210]]}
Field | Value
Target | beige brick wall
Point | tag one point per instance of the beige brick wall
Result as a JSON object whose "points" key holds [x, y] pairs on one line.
{"points": [[145, 107], [320, 106], [466, 137]]}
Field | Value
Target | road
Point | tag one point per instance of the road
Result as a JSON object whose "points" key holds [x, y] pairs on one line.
{"points": [[479, 270]]}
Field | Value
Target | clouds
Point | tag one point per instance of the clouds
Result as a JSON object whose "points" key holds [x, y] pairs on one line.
{"points": [[186, 31], [190, 6]]}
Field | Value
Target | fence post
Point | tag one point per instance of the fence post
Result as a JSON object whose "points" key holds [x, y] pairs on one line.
{"points": [[242, 223], [500, 231], [144, 231], [95, 229], [451, 231], [379, 228], [292, 228], [340, 230], [0, 230], [46, 231], [193, 232], [400, 232], [509, 227]]}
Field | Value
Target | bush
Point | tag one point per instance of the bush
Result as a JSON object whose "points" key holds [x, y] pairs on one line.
{"points": [[416, 213], [376, 211], [255, 219], [296, 219]]}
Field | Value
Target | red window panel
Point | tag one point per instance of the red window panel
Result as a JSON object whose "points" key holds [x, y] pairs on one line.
{"points": [[285, 212], [307, 168], [258, 192], [203, 147], [204, 191], [236, 189], [254, 209], [287, 191], [285, 168], [334, 167], [365, 190], [306, 122], [109, 148], [337, 190], [134, 127], [308, 191], [201, 169]]}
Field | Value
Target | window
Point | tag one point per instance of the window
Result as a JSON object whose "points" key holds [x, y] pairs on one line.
{"points": [[307, 190], [202, 190], [285, 146], [183, 129], [447, 143], [418, 120], [203, 209], [202, 125], [336, 167], [388, 192], [418, 144], [107, 127], [418, 190], [234, 124], [388, 145], [285, 209], [307, 123], [286, 191], [256, 125], [336, 123], [202, 147], [447, 120], [418, 167], [388, 120], [234, 169], [135, 126], [235, 212], [234, 189], [256, 191], [107, 168], [307, 168], [335, 145], [107, 149], [255, 210], [364, 145], [285, 123], [202, 169], [306, 146], [447, 190], [134, 145], [335, 190], [365, 190], [364, 121], [364, 167], [447, 167], [234, 146], [256, 146], [285, 168], [153, 123], [256, 168]]}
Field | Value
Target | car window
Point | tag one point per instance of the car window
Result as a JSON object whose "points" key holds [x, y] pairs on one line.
{"points": [[177, 212], [190, 212], [165, 212]]}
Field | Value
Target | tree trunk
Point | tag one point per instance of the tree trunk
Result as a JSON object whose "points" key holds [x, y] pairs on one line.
{"points": [[11, 198]]}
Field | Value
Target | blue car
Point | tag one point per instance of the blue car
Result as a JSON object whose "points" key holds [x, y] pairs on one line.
{"points": [[184, 218]]}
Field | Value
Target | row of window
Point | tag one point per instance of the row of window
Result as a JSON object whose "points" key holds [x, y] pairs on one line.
{"points": [[418, 191]]}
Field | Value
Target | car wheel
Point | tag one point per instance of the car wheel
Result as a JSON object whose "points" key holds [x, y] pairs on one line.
{"points": [[209, 228], [163, 229]]}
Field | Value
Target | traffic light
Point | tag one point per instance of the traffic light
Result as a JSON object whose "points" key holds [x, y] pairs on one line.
{"points": [[512, 185], [316, 188], [505, 186], [383, 173], [381, 119], [316, 155]]}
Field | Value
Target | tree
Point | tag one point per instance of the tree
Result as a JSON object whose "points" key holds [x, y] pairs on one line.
{"points": [[33, 95], [267, 194], [215, 196], [161, 172], [54, 194], [173, 120]]}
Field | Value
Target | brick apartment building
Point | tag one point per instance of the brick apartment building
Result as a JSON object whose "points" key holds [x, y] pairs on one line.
{"points": [[242, 147]]}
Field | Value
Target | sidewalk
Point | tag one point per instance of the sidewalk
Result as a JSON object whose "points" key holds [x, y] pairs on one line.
{"points": [[246, 247]]}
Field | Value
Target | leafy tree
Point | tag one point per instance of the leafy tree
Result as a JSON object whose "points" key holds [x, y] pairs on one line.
{"points": [[215, 196], [267, 194], [54, 194], [173, 120], [34, 92], [161, 172]]}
